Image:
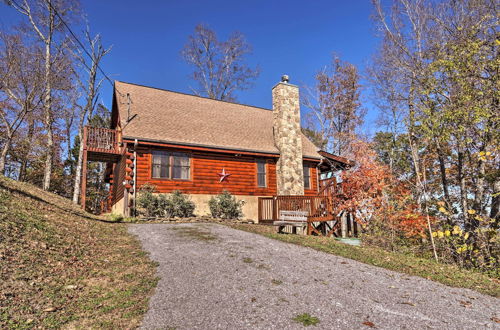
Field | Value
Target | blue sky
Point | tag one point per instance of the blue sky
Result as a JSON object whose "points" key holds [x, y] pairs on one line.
{"points": [[288, 37]]}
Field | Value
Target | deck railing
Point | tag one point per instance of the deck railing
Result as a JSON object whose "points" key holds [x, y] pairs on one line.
{"points": [[270, 207], [98, 139]]}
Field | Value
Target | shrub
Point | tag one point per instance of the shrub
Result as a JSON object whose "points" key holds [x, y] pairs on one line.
{"points": [[113, 217], [180, 205], [164, 206], [146, 201], [226, 206]]}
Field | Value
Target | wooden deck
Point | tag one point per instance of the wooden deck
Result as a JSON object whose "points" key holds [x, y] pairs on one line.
{"points": [[101, 144], [318, 214]]}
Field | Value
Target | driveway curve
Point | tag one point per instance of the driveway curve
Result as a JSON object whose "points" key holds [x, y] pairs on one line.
{"points": [[215, 277]]}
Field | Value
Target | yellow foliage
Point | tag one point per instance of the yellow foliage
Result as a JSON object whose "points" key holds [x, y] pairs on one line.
{"points": [[440, 234], [457, 231], [471, 211], [442, 210], [447, 233]]}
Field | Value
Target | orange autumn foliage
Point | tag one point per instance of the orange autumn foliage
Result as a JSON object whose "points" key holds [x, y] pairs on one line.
{"points": [[371, 192]]}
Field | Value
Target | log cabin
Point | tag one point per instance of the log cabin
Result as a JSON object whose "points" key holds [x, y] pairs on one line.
{"points": [[203, 146]]}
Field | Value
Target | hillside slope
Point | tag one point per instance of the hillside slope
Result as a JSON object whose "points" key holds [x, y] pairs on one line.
{"points": [[62, 267]]}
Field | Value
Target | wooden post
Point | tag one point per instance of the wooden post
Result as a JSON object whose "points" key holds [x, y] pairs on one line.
{"points": [[275, 208], [343, 224], [351, 225], [83, 188]]}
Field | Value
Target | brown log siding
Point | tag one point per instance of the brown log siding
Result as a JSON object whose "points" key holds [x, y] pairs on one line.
{"points": [[204, 178]]}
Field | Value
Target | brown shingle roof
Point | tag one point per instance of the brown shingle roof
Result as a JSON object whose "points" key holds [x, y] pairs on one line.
{"points": [[187, 119]]}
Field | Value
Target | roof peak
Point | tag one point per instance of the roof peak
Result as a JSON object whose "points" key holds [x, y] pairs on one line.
{"points": [[193, 95]]}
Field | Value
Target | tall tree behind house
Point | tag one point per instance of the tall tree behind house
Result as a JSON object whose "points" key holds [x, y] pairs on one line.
{"points": [[43, 18], [219, 66], [90, 87], [336, 110], [21, 82]]}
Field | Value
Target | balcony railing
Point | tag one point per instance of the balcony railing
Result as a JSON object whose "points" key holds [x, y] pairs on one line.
{"points": [[101, 140]]}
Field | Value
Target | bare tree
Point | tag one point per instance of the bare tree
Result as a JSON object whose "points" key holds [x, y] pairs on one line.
{"points": [[219, 66], [21, 81], [45, 20], [335, 105], [92, 85]]}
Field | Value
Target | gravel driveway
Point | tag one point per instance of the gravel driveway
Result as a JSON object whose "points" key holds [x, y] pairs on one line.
{"points": [[215, 277]]}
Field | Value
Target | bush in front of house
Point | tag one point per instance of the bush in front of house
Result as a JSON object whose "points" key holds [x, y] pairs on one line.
{"points": [[180, 205], [147, 202], [153, 205], [226, 206]]}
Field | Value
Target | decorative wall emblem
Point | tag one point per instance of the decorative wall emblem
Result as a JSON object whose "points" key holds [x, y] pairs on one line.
{"points": [[223, 175]]}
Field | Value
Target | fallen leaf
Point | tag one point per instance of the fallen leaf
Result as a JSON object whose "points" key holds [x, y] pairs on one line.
{"points": [[408, 303], [495, 319], [465, 303], [70, 287], [369, 324], [50, 309]]}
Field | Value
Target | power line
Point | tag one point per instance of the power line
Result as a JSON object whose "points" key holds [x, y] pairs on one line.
{"points": [[82, 46], [77, 40]]}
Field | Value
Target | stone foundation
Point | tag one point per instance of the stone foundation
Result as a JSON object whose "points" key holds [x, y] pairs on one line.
{"points": [[250, 208]]}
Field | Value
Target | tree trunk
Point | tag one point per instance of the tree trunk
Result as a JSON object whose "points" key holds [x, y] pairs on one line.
{"points": [[78, 171], [3, 154], [50, 149], [26, 151], [495, 204], [444, 180], [48, 104], [463, 189]]}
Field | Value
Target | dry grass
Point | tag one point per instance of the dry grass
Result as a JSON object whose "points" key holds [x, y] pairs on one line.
{"points": [[450, 275], [62, 267]]}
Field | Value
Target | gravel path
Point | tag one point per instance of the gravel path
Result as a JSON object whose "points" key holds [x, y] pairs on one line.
{"points": [[215, 277]]}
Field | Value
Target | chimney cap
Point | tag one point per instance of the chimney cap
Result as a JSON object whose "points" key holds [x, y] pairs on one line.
{"points": [[285, 78]]}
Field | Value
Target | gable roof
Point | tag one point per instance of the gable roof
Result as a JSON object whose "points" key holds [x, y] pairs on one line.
{"points": [[172, 117]]}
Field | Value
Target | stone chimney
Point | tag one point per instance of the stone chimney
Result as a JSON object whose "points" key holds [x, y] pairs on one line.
{"points": [[288, 138]]}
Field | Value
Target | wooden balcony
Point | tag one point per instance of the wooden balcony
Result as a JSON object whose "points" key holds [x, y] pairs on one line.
{"points": [[101, 144]]}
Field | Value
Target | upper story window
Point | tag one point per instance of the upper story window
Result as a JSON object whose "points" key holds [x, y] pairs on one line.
{"points": [[170, 165], [261, 173], [307, 176]]}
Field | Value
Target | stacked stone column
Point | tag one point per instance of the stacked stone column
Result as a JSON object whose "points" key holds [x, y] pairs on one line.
{"points": [[288, 139]]}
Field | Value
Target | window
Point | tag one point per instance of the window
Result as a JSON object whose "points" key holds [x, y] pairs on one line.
{"points": [[307, 177], [168, 165], [161, 165], [261, 173], [180, 168]]}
